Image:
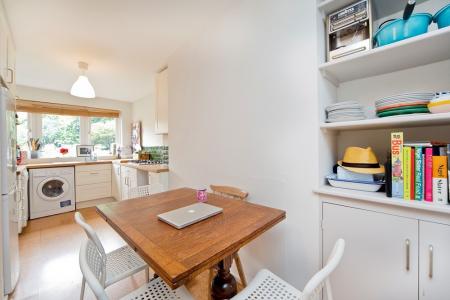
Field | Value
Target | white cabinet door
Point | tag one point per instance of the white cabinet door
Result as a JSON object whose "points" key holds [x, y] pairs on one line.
{"points": [[124, 182], [116, 182], [377, 262], [3, 49], [11, 65], [434, 257], [162, 102]]}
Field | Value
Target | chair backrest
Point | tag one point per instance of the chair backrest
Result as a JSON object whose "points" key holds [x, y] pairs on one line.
{"points": [[93, 268], [316, 283], [229, 191], [91, 234], [140, 191]]}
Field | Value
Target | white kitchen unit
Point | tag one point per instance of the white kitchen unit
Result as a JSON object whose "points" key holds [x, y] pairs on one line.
{"points": [[159, 182], [374, 252], [93, 181], [7, 54], [22, 198], [382, 234], [434, 263], [130, 178], [116, 186], [162, 102], [387, 249]]}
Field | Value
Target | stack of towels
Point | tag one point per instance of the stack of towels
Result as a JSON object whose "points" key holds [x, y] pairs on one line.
{"points": [[344, 111]]}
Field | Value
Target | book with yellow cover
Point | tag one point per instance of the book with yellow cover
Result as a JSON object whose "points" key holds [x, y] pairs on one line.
{"points": [[407, 173], [397, 164], [440, 184]]}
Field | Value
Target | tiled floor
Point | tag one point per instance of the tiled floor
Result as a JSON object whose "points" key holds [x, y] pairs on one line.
{"points": [[49, 260]]}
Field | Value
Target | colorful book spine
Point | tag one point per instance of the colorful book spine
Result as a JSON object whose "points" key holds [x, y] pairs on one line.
{"points": [[412, 176], [440, 179], [448, 167], [407, 173], [429, 174], [397, 164], [418, 174]]}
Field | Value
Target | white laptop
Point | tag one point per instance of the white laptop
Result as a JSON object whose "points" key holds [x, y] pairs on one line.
{"points": [[188, 215]]}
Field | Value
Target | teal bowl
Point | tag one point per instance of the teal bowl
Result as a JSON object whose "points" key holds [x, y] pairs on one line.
{"points": [[399, 29], [442, 17]]}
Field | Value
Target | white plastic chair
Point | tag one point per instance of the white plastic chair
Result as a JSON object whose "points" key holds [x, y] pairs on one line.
{"points": [[118, 264], [93, 268], [140, 191], [268, 286]]}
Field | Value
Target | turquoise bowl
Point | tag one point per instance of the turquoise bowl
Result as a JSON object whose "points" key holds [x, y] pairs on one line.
{"points": [[442, 17], [399, 29]]}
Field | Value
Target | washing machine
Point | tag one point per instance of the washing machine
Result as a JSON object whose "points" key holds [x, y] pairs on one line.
{"points": [[52, 191]]}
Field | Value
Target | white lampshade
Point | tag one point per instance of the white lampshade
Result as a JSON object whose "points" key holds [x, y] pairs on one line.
{"points": [[82, 87]]}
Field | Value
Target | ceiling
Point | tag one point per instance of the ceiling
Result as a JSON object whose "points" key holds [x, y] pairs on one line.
{"points": [[124, 42]]}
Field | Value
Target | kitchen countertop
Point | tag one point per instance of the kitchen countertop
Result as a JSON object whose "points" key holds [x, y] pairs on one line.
{"points": [[123, 162], [67, 164], [148, 168]]}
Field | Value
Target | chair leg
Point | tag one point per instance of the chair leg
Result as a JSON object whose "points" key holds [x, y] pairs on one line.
{"points": [[210, 279], [240, 269], [83, 283], [147, 275]]}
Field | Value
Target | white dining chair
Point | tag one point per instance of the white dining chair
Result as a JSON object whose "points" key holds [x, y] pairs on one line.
{"points": [[139, 191], [119, 264], [268, 286], [93, 268]]}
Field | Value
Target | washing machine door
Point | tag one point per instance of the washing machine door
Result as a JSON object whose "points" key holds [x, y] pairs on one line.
{"points": [[53, 188]]}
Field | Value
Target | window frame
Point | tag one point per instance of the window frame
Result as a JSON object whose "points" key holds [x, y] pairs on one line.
{"points": [[35, 128]]}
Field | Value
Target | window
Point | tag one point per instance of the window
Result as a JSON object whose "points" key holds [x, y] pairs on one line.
{"points": [[60, 131], [22, 130], [102, 135]]}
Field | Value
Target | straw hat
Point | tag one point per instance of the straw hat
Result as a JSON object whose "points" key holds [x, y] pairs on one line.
{"points": [[361, 160]]}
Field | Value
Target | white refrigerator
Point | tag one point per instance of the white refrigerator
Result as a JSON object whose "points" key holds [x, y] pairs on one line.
{"points": [[8, 188]]}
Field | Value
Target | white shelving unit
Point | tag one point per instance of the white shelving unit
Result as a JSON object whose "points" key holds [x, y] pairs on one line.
{"points": [[421, 50], [402, 121], [370, 75], [380, 197]]}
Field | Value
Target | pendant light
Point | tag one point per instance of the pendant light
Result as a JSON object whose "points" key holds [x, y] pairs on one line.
{"points": [[82, 87]]}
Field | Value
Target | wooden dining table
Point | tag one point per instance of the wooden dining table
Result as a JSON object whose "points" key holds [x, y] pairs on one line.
{"points": [[178, 255]]}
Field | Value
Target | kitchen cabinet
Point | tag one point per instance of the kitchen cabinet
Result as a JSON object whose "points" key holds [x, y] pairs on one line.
{"points": [[131, 178], [434, 261], [92, 182], [116, 188], [7, 54], [162, 102], [381, 253], [159, 182]]}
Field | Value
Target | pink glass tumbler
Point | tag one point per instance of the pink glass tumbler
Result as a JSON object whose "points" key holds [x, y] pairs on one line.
{"points": [[202, 195]]}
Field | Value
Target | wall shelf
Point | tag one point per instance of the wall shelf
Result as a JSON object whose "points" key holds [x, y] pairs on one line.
{"points": [[424, 49], [402, 121], [381, 198], [381, 7]]}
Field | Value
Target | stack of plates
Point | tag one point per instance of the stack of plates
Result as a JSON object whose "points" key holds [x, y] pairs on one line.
{"points": [[408, 103], [345, 111]]}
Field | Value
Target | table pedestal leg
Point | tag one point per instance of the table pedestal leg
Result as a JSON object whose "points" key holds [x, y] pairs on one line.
{"points": [[224, 284]]}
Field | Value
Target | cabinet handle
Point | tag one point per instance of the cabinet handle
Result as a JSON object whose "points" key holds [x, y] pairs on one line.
{"points": [[408, 246], [11, 73], [430, 270], [94, 173]]}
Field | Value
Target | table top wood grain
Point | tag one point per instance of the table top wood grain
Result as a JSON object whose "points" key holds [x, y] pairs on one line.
{"points": [[178, 255]]}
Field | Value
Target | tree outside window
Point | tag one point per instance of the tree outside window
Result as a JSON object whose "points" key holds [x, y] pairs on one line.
{"points": [[22, 130], [103, 134], [60, 131]]}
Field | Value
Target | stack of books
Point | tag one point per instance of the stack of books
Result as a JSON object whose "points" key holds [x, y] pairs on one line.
{"points": [[420, 170]]}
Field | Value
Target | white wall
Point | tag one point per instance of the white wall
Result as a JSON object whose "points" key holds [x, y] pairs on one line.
{"points": [[243, 112], [37, 94], [144, 111]]}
